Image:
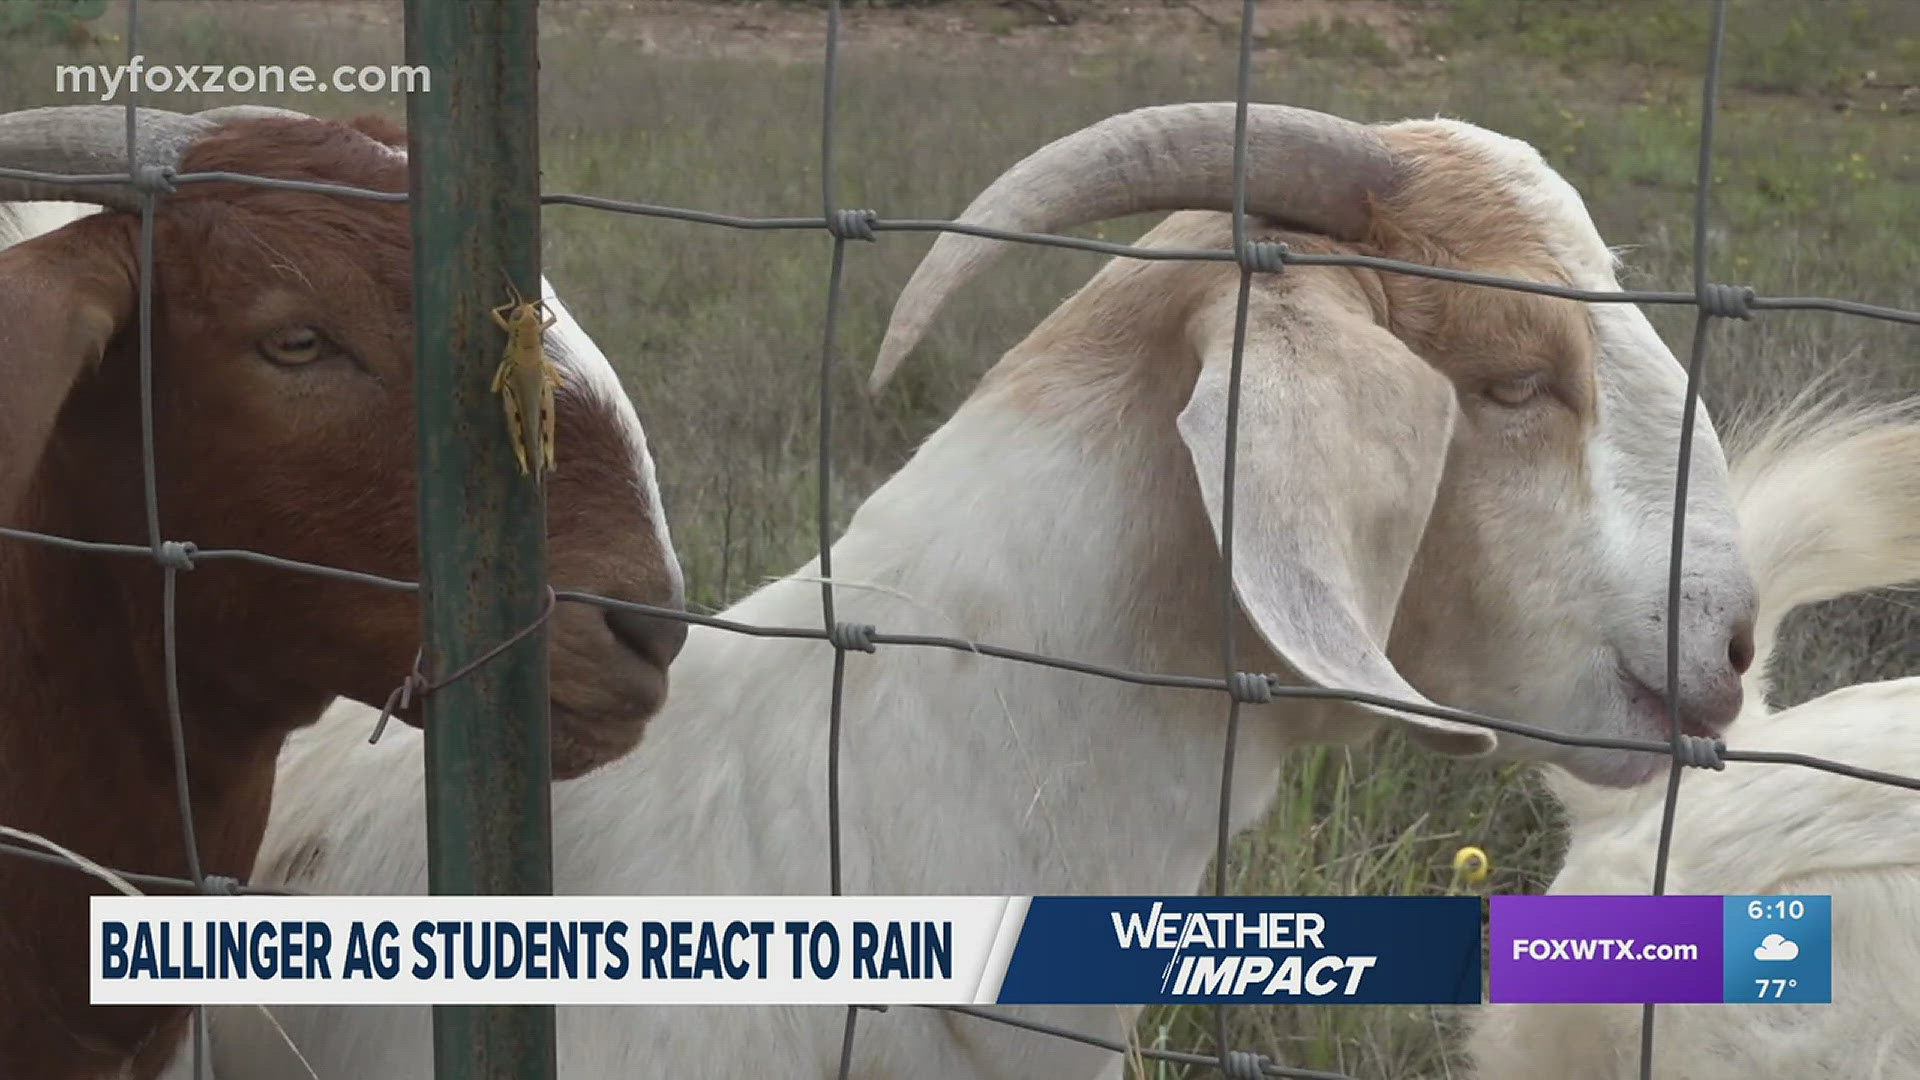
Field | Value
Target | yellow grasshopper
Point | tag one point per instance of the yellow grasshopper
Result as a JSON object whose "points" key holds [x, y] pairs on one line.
{"points": [[527, 378]]}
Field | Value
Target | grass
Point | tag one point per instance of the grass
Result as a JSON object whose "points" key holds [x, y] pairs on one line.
{"points": [[1782, 46], [717, 333]]}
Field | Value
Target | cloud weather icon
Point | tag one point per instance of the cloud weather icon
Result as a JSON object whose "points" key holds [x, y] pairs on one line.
{"points": [[1776, 947]]}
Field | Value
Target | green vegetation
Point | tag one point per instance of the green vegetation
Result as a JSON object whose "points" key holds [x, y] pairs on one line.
{"points": [[1786, 46], [48, 21], [717, 332], [1336, 38]]}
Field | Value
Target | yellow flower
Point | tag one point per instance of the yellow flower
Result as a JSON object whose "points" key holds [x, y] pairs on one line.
{"points": [[1471, 865]]}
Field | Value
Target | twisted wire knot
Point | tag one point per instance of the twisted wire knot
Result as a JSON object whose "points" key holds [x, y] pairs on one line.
{"points": [[153, 179], [219, 885], [415, 684], [1727, 301], [852, 636], [851, 224], [1699, 752], [175, 554], [1262, 256], [1250, 688], [1243, 1065]]}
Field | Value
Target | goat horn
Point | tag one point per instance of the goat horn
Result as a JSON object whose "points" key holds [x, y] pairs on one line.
{"points": [[1305, 168], [227, 113], [88, 139]]}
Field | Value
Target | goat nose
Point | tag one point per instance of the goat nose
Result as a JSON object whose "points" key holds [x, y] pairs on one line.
{"points": [[1712, 709], [1740, 647], [1713, 702], [654, 638]]}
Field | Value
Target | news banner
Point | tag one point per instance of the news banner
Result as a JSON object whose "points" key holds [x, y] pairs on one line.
{"points": [[957, 950]]}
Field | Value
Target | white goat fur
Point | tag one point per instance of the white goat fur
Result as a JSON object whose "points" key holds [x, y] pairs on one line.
{"points": [[1053, 515], [23, 221], [1830, 504]]}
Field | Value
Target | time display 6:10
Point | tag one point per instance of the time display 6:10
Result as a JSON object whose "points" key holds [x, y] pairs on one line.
{"points": [[1776, 909]]}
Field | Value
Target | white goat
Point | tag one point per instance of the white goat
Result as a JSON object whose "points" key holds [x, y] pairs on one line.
{"points": [[1486, 474], [1830, 504], [23, 220]]}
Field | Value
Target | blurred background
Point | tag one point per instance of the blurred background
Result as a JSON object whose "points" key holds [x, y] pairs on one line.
{"points": [[716, 105]]}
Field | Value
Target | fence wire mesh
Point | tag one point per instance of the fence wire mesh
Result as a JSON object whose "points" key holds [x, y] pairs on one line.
{"points": [[1710, 300]]}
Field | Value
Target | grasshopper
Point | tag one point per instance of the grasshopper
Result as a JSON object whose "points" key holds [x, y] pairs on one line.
{"points": [[526, 378]]}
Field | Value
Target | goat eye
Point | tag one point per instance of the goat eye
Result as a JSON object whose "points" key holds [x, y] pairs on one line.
{"points": [[294, 346], [1515, 392]]}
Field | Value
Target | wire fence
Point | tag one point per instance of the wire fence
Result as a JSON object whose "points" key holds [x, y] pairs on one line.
{"points": [[1711, 300]]}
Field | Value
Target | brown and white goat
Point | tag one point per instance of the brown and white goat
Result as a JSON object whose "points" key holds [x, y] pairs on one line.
{"points": [[283, 422], [1442, 490]]}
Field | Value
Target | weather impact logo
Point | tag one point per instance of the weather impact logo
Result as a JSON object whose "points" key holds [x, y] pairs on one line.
{"points": [[1240, 952], [1328, 950]]}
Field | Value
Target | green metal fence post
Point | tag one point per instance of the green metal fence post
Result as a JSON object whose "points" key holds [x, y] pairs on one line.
{"points": [[476, 225]]}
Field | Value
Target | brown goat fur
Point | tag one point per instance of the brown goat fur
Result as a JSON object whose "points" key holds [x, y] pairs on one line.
{"points": [[312, 461]]}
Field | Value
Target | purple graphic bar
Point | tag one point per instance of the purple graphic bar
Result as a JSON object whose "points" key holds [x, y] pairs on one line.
{"points": [[1632, 949]]}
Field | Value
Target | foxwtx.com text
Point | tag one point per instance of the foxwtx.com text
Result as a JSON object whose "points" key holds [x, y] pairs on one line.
{"points": [[1599, 949]]}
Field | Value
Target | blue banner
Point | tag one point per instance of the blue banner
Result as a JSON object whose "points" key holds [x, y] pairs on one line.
{"points": [[784, 950], [1142, 950]]}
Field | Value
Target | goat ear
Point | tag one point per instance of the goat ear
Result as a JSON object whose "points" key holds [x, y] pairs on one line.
{"points": [[62, 297], [1342, 436]]}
